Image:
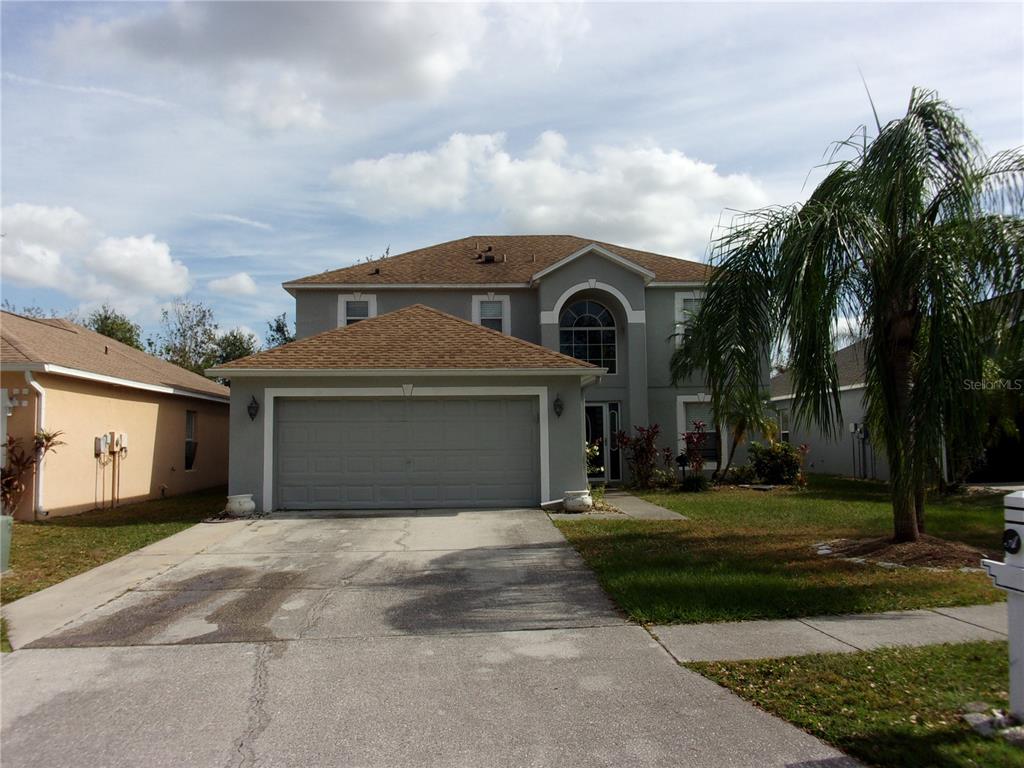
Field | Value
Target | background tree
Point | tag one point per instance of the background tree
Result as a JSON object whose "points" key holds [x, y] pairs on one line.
{"points": [[187, 335], [234, 344], [906, 238], [109, 322], [279, 331]]}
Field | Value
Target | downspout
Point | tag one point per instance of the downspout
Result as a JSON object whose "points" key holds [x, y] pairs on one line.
{"points": [[37, 508]]}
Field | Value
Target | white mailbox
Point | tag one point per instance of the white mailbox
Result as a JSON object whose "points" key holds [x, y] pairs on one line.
{"points": [[1009, 575]]}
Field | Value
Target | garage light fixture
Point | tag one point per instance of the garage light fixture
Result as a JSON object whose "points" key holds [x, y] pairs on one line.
{"points": [[558, 406], [253, 408]]}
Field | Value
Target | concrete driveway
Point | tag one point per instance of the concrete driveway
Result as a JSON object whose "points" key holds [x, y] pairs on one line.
{"points": [[468, 638]]}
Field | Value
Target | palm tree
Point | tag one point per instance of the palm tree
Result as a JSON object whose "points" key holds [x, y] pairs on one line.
{"points": [[908, 234]]}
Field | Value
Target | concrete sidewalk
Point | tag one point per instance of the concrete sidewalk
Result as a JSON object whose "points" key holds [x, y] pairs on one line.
{"points": [[635, 507], [39, 614], [732, 641]]}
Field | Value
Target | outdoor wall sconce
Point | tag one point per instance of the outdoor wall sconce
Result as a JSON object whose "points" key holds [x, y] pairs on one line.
{"points": [[253, 408], [558, 406]]}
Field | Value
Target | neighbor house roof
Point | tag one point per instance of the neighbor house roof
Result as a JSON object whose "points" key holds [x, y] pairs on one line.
{"points": [[412, 338], [517, 258], [849, 371], [62, 347]]}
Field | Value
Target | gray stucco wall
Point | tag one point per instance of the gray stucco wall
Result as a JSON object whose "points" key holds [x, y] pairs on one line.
{"points": [[836, 456], [629, 384], [316, 311], [566, 464], [642, 382]]}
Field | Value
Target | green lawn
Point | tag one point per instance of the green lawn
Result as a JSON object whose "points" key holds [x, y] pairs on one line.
{"points": [[895, 707], [45, 553], [747, 554]]}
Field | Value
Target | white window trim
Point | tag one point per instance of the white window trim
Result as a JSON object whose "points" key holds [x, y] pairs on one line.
{"points": [[679, 323], [683, 424], [369, 298], [404, 390], [632, 315], [506, 309]]}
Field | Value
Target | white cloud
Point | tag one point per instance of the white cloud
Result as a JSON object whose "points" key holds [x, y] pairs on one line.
{"points": [[91, 90], [640, 195], [141, 264], [277, 105], [230, 218], [340, 55], [403, 185], [60, 249], [239, 284]]}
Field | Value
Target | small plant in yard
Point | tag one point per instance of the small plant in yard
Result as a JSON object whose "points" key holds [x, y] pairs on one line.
{"points": [[777, 463], [693, 457], [20, 462], [641, 453], [593, 451], [741, 475]]}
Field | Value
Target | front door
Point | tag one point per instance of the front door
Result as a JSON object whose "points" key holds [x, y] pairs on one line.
{"points": [[602, 423]]}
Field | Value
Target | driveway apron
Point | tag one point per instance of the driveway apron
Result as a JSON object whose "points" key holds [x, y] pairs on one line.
{"points": [[432, 638]]}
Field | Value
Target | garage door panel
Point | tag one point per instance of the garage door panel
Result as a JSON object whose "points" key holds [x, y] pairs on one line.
{"points": [[354, 465], [361, 453]]}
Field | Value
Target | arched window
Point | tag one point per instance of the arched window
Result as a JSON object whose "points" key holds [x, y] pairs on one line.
{"points": [[586, 331]]}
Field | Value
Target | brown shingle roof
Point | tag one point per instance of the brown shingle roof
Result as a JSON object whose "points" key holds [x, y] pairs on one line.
{"points": [[59, 342], [849, 370], [517, 259], [414, 337]]}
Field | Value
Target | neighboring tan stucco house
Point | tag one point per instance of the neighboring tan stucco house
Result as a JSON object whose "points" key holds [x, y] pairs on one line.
{"points": [[467, 373], [59, 376]]}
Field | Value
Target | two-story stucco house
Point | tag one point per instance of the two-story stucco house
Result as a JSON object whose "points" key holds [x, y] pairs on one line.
{"points": [[465, 374]]}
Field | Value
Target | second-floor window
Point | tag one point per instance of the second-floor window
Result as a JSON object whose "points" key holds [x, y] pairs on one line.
{"points": [[687, 307], [586, 331], [356, 311], [353, 307], [493, 311]]}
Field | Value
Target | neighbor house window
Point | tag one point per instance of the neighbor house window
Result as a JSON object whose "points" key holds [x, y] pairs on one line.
{"points": [[353, 307], [784, 425], [492, 311], [586, 331], [191, 439]]}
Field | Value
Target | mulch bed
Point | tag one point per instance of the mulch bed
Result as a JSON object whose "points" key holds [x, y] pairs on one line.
{"points": [[929, 551]]}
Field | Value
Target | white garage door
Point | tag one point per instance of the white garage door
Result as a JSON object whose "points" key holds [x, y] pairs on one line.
{"points": [[406, 452]]}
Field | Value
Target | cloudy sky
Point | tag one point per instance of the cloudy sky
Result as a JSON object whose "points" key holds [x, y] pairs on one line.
{"points": [[216, 150]]}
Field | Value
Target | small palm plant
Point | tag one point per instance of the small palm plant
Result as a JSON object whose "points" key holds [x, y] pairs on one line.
{"points": [[19, 464], [909, 236]]}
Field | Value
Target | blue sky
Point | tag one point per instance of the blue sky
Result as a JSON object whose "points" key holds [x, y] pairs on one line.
{"points": [[216, 150]]}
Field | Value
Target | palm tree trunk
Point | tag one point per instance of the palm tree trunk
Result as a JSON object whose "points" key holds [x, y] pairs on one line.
{"points": [[904, 510], [728, 463], [919, 494], [904, 466]]}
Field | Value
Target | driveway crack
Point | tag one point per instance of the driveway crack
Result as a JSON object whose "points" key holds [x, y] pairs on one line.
{"points": [[400, 541], [245, 749]]}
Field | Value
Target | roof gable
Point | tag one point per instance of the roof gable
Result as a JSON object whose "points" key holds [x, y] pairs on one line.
{"points": [[495, 260], [598, 250], [412, 338]]}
